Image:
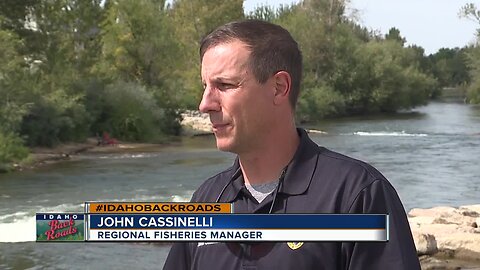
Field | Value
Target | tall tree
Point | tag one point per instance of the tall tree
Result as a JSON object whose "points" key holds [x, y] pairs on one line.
{"points": [[192, 21], [394, 34], [472, 12], [67, 46], [13, 106], [138, 42]]}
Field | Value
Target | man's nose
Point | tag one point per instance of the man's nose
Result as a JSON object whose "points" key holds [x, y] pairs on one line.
{"points": [[210, 101]]}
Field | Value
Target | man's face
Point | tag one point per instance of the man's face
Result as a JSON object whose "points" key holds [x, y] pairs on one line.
{"points": [[240, 108]]}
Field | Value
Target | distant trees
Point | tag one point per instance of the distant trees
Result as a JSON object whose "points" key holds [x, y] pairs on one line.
{"points": [[449, 66], [347, 69], [74, 68]]}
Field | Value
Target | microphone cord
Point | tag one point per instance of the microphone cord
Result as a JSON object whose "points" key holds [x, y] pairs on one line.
{"points": [[246, 247], [280, 182], [235, 175]]}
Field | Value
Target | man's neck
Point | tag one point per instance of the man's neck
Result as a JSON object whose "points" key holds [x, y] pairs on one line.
{"points": [[266, 164]]}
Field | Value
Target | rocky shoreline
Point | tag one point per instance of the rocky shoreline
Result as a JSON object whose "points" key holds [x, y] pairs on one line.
{"points": [[195, 123], [447, 237]]}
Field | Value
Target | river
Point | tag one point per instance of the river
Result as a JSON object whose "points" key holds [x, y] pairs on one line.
{"points": [[431, 155]]}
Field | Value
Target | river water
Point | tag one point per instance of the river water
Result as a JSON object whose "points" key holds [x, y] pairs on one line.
{"points": [[431, 155]]}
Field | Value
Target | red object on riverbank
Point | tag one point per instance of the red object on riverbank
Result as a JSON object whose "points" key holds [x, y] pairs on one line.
{"points": [[107, 140]]}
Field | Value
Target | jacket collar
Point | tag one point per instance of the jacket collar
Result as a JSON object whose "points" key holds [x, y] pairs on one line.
{"points": [[302, 167], [298, 176], [235, 182]]}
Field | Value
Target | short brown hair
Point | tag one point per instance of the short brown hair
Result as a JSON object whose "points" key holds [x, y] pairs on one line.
{"points": [[272, 49]]}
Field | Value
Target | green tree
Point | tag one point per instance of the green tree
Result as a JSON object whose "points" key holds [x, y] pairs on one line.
{"points": [[138, 43], [473, 89], [472, 12], [132, 113], [193, 20], [449, 66], [17, 18], [139, 47], [264, 13], [12, 106], [68, 46], [396, 80], [347, 68], [394, 34]]}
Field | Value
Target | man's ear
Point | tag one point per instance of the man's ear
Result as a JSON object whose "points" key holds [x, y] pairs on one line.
{"points": [[283, 83]]}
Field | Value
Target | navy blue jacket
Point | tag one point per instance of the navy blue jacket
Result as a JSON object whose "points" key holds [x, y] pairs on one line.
{"points": [[317, 181]]}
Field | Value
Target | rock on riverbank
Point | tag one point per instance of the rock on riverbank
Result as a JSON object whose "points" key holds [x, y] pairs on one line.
{"points": [[444, 235], [195, 123]]}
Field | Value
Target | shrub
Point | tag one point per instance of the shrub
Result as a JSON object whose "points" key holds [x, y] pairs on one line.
{"points": [[132, 113], [11, 150]]}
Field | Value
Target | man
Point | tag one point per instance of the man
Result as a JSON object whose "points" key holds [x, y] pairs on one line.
{"points": [[251, 72]]}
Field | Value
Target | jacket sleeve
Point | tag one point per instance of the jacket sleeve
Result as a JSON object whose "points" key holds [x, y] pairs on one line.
{"points": [[399, 252]]}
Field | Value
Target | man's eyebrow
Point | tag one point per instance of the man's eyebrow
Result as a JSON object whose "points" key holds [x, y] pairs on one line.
{"points": [[223, 79]]}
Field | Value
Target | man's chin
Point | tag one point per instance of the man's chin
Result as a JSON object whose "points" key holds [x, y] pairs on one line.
{"points": [[224, 145]]}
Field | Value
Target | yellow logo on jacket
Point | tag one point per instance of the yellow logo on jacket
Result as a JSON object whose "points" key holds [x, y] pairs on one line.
{"points": [[294, 245]]}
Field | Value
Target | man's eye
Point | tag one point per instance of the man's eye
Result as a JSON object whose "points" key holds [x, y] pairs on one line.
{"points": [[225, 86]]}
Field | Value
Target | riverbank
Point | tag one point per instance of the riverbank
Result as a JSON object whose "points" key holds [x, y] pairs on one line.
{"points": [[41, 156], [447, 237], [194, 123]]}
